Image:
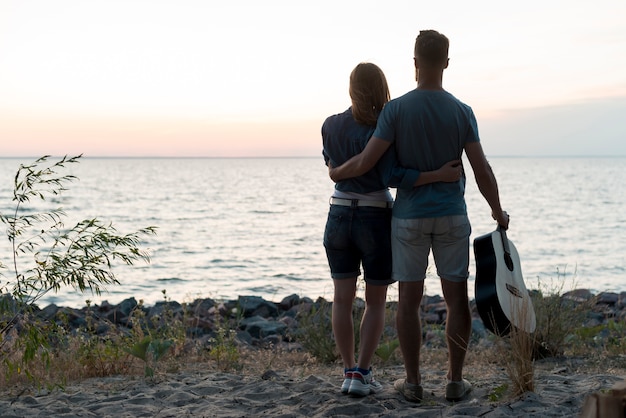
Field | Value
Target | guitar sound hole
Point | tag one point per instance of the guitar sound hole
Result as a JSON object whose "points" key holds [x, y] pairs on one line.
{"points": [[513, 290]]}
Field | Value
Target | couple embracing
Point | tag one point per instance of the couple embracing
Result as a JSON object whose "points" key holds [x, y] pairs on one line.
{"points": [[413, 143]]}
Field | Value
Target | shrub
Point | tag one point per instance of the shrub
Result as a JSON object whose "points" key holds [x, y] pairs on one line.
{"points": [[557, 320], [315, 331], [46, 256]]}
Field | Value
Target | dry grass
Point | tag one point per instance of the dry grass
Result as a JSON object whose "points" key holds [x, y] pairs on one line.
{"points": [[515, 354], [490, 359], [484, 363], [516, 348]]}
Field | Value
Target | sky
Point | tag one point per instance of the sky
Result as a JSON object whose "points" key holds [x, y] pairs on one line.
{"points": [[258, 78]]}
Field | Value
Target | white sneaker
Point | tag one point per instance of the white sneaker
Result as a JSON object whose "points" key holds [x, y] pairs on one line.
{"points": [[363, 384], [347, 379]]}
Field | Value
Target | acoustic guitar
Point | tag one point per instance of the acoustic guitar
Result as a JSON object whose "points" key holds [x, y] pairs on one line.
{"points": [[500, 293]]}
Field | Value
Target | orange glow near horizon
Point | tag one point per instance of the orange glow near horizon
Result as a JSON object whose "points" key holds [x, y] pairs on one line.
{"points": [[37, 135], [146, 78]]}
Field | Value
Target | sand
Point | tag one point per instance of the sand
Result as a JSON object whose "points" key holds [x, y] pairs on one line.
{"points": [[559, 392]]}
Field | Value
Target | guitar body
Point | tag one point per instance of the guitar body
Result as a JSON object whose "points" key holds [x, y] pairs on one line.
{"points": [[501, 296]]}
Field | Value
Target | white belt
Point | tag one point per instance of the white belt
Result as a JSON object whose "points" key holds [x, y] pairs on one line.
{"points": [[357, 202]]}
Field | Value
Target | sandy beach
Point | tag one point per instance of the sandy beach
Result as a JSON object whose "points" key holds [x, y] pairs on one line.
{"points": [[271, 375], [560, 392]]}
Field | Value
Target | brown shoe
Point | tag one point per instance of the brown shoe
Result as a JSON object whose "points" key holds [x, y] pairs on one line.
{"points": [[455, 391], [410, 391]]}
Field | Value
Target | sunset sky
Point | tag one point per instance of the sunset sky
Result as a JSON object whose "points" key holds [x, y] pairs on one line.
{"points": [[257, 78]]}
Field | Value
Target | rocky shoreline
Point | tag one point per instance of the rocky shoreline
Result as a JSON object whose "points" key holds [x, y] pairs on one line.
{"points": [[308, 389], [260, 322]]}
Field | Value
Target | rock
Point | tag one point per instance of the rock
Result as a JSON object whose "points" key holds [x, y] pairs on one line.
{"points": [[608, 298], [256, 306], [478, 328], [48, 312], [258, 322], [202, 306], [160, 308], [578, 295], [260, 327], [127, 306], [289, 301]]}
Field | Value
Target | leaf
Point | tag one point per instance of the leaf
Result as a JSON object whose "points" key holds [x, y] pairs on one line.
{"points": [[159, 348], [385, 350], [140, 349]]}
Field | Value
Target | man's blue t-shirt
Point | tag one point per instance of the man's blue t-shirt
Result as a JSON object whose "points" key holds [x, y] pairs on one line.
{"points": [[428, 128]]}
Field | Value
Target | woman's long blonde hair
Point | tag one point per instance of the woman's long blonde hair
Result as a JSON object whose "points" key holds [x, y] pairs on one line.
{"points": [[369, 92]]}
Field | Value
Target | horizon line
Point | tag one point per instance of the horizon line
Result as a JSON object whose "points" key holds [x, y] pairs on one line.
{"points": [[82, 155]]}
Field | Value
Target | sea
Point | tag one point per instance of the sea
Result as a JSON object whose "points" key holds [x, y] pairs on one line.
{"points": [[230, 227]]}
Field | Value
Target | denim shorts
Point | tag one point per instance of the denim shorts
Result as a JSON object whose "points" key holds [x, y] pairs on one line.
{"points": [[413, 239], [359, 236]]}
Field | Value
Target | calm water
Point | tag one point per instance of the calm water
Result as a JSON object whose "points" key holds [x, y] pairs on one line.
{"points": [[230, 227]]}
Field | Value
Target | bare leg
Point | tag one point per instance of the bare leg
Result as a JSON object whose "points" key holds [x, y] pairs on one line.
{"points": [[343, 327], [410, 328], [458, 326], [372, 323]]}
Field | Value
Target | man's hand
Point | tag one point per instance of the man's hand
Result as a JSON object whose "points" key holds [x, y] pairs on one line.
{"points": [[502, 218], [361, 163]]}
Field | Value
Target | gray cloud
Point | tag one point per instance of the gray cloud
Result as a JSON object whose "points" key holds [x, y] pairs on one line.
{"points": [[591, 128]]}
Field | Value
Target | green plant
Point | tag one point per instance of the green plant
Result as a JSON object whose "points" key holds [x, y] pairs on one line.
{"points": [[223, 348], [146, 344], [169, 325], [386, 349], [46, 256], [557, 320], [150, 350], [315, 332], [603, 339], [616, 341], [498, 392], [99, 355], [389, 343]]}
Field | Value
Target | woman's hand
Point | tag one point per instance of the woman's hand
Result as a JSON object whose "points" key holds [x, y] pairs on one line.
{"points": [[331, 170]]}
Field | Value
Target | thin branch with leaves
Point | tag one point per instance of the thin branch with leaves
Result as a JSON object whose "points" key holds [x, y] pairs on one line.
{"points": [[46, 256]]}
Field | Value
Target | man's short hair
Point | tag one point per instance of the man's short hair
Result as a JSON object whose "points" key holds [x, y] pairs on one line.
{"points": [[431, 47]]}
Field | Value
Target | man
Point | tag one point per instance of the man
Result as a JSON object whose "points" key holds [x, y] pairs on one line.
{"points": [[428, 127]]}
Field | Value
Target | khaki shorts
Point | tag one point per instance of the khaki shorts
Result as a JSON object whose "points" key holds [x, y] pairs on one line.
{"points": [[413, 239]]}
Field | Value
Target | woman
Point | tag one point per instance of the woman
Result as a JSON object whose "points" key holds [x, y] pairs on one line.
{"points": [[359, 225]]}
